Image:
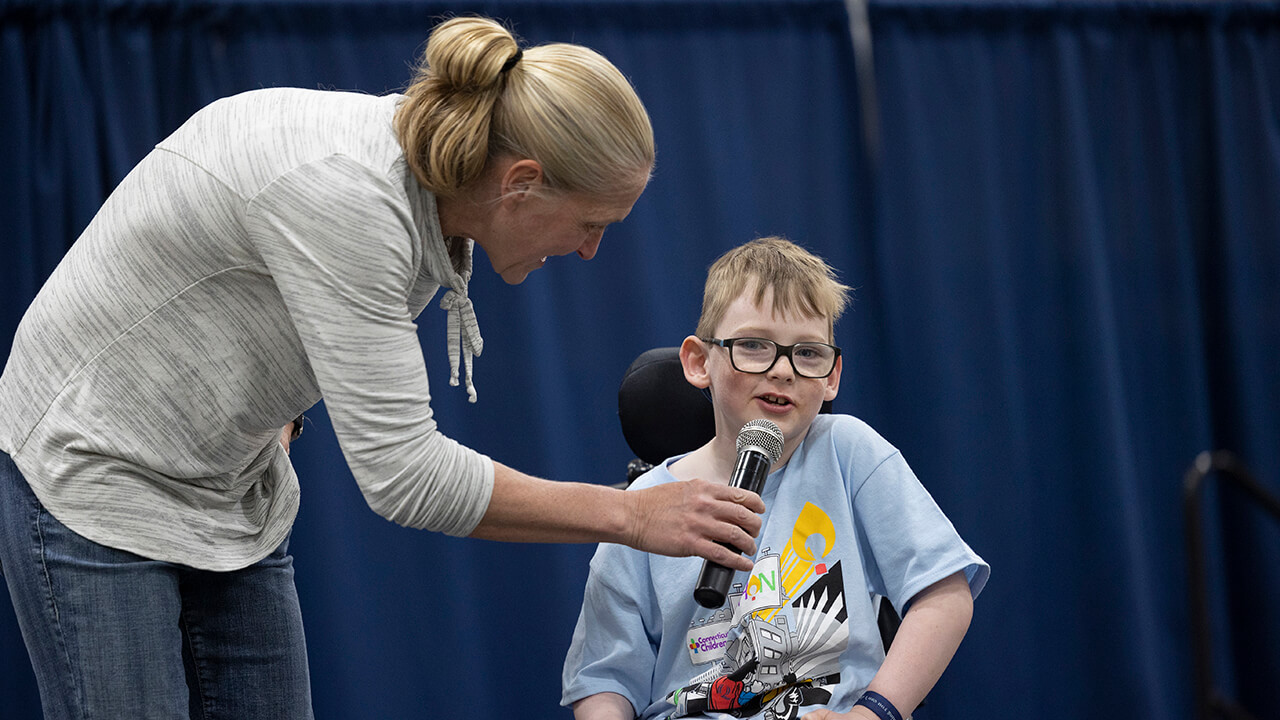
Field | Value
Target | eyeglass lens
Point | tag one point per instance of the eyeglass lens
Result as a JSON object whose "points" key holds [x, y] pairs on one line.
{"points": [[756, 355]]}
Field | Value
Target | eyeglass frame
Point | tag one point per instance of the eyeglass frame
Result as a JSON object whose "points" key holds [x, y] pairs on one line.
{"points": [[780, 350]]}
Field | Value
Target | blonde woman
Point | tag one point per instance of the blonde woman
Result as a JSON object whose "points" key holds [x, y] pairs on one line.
{"points": [[272, 252]]}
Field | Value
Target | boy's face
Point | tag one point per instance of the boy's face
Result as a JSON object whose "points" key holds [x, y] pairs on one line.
{"points": [[779, 394]]}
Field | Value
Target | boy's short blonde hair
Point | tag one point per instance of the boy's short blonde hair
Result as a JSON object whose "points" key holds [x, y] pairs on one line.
{"points": [[802, 283]]}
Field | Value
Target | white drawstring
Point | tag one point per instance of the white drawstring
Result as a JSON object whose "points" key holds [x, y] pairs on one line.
{"points": [[448, 261], [463, 336]]}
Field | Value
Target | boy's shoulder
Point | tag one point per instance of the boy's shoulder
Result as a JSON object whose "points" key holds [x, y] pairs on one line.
{"points": [[659, 474], [849, 438], [842, 429]]}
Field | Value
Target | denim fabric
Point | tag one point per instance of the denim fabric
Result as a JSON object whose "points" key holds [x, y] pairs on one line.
{"points": [[115, 635]]}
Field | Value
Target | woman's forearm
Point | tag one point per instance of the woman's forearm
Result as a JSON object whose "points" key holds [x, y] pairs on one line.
{"points": [[677, 519], [528, 509]]}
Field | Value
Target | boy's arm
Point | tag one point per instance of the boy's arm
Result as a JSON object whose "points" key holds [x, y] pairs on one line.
{"points": [[603, 706], [926, 641]]}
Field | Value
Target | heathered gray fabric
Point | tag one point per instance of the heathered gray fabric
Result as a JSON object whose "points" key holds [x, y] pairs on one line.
{"points": [[272, 252]]}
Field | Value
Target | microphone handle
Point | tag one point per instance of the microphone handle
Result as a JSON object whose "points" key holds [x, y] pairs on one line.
{"points": [[713, 584]]}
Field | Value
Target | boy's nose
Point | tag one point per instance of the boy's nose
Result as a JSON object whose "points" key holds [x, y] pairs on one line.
{"points": [[783, 368]]}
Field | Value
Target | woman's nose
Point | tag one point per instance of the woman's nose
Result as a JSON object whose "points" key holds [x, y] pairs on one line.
{"points": [[591, 246]]}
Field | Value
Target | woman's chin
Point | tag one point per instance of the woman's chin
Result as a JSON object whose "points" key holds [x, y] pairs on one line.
{"points": [[517, 275]]}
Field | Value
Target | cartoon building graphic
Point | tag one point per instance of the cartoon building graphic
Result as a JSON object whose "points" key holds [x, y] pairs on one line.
{"points": [[766, 643], [783, 653]]}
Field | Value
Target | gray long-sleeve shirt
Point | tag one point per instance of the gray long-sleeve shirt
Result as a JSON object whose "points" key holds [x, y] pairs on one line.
{"points": [[273, 251]]}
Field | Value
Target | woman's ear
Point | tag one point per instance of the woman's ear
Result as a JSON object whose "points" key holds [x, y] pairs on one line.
{"points": [[521, 179], [693, 358]]}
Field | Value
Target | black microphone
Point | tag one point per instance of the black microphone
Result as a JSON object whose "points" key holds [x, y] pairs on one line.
{"points": [[759, 446]]}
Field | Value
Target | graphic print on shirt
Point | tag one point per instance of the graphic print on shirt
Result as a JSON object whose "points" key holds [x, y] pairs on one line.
{"points": [[781, 638]]}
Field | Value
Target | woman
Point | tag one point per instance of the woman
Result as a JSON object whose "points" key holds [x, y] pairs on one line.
{"points": [[274, 251]]}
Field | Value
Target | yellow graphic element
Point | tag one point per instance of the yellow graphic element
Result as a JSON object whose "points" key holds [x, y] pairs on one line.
{"points": [[798, 558]]}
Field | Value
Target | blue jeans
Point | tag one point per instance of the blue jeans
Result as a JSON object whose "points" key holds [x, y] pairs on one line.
{"points": [[116, 635]]}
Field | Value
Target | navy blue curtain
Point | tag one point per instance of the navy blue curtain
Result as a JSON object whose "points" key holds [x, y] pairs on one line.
{"points": [[1064, 244]]}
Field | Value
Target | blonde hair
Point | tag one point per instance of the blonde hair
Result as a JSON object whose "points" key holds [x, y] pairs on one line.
{"points": [[476, 95], [802, 283]]}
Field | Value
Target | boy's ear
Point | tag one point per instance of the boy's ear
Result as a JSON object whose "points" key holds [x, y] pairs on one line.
{"points": [[521, 178], [833, 381], [693, 357]]}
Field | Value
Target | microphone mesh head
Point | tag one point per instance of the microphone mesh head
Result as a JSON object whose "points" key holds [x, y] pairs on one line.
{"points": [[764, 434]]}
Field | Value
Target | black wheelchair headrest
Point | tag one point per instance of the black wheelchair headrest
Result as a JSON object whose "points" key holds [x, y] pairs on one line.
{"points": [[661, 413]]}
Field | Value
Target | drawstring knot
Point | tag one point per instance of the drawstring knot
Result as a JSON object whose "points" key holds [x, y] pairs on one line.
{"points": [[463, 336]]}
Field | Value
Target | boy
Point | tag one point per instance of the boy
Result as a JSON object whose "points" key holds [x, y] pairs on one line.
{"points": [[845, 519]]}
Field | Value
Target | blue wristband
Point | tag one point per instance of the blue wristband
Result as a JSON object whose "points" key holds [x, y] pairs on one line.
{"points": [[879, 705]]}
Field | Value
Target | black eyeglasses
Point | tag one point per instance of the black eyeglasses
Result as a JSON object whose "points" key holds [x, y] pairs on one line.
{"points": [[758, 355]]}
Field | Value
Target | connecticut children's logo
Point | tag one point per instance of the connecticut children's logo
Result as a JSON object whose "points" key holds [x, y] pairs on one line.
{"points": [[714, 641], [708, 637]]}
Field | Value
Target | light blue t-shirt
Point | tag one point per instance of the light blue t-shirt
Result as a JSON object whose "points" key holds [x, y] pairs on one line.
{"points": [[845, 520]]}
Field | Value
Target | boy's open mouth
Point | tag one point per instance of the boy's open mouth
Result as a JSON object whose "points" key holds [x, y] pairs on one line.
{"points": [[775, 400]]}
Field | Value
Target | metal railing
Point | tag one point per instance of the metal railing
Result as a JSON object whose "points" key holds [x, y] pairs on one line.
{"points": [[1211, 704]]}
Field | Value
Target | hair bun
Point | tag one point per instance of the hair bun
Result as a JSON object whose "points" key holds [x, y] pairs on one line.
{"points": [[470, 54], [477, 95]]}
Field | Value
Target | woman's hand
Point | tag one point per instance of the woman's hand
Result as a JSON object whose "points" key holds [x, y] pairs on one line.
{"points": [[692, 518], [286, 436], [290, 432]]}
